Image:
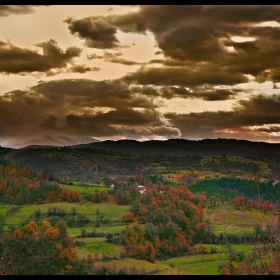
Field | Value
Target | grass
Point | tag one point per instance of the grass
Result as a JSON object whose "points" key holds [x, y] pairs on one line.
{"points": [[102, 229], [225, 218], [203, 264], [133, 263], [83, 189], [97, 244]]}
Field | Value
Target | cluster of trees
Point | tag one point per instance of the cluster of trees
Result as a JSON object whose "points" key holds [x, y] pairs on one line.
{"points": [[49, 250], [54, 214], [263, 260], [240, 202], [168, 218], [39, 250], [21, 185], [228, 165], [97, 196]]}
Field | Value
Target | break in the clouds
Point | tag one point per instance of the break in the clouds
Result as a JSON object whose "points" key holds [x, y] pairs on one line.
{"points": [[142, 72]]}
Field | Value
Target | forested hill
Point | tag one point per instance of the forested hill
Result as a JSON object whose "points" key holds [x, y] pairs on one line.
{"points": [[178, 147], [183, 147]]}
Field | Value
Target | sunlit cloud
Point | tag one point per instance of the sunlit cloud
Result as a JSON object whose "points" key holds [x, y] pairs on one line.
{"points": [[241, 39], [268, 23]]}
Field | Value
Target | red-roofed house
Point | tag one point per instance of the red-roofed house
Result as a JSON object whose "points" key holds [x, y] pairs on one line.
{"points": [[141, 188]]}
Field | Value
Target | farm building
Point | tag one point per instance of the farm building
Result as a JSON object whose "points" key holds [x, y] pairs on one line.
{"points": [[141, 188]]}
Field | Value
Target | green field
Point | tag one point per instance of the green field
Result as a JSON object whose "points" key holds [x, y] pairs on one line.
{"points": [[111, 212], [97, 244], [83, 189]]}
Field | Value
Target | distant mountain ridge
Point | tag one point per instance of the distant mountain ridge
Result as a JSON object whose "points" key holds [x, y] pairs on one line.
{"points": [[182, 147], [51, 140], [170, 147]]}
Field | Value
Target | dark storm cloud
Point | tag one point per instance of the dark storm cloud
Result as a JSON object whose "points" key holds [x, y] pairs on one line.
{"points": [[16, 60], [124, 116], [81, 125], [184, 76], [181, 32], [242, 13], [74, 106], [115, 58], [146, 90], [83, 92], [215, 94], [260, 110], [263, 106], [191, 38], [115, 117], [202, 33], [7, 10], [49, 123], [190, 43], [81, 68], [66, 106], [94, 56], [209, 93], [96, 32], [161, 18], [168, 62], [100, 128]]}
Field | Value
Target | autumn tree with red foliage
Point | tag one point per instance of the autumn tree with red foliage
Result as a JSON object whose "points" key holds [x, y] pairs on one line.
{"points": [[168, 219], [21, 186], [239, 202], [39, 250], [128, 217]]}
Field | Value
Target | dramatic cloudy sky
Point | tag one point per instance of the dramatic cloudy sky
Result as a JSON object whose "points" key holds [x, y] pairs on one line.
{"points": [[140, 72]]}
